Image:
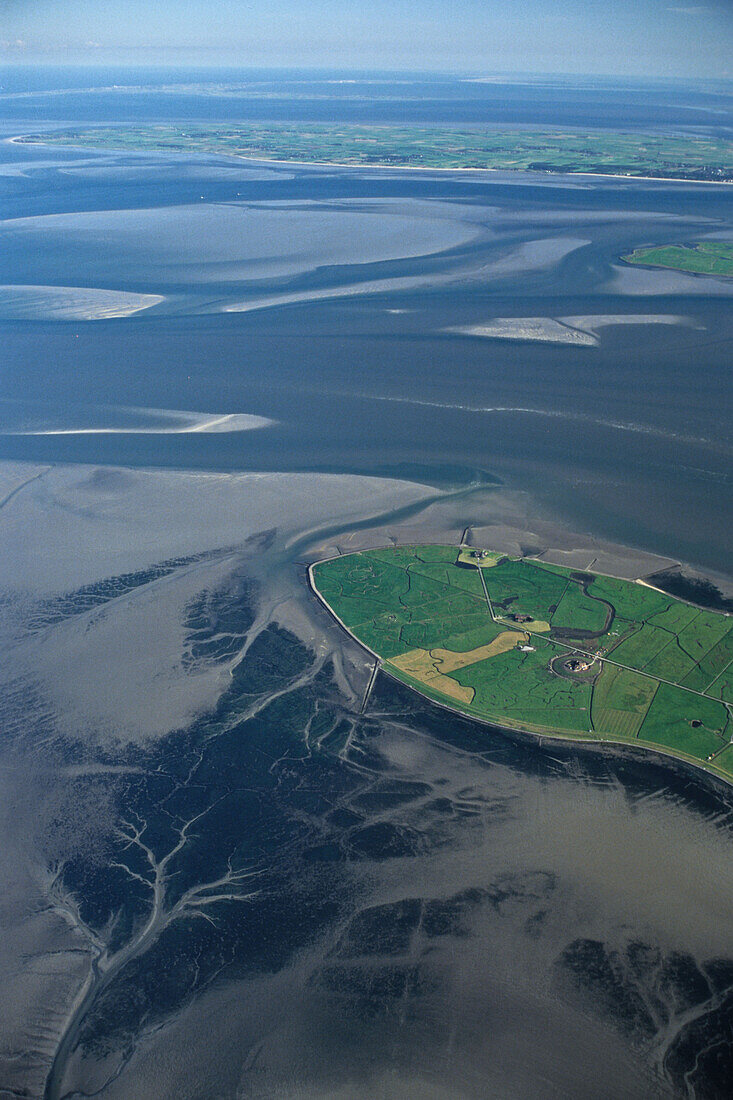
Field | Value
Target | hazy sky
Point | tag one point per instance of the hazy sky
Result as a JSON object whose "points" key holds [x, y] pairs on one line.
{"points": [[628, 37]]}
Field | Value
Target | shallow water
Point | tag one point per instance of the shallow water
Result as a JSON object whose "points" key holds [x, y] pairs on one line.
{"points": [[630, 438]]}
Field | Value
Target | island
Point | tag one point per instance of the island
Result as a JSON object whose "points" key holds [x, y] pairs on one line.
{"points": [[705, 258], [689, 155], [528, 645]]}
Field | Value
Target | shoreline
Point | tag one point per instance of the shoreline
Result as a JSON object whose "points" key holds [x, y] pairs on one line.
{"points": [[18, 139], [680, 270], [708, 769]]}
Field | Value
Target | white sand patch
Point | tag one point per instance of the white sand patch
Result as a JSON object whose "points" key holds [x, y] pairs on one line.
{"points": [[557, 414], [538, 329], [163, 422], [580, 331], [70, 303], [532, 256], [595, 321]]}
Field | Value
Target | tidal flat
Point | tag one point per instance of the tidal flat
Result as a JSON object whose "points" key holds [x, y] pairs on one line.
{"points": [[321, 854]]}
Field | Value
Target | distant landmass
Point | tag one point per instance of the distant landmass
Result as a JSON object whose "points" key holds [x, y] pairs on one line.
{"points": [[542, 648], [611, 152], [707, 258]]}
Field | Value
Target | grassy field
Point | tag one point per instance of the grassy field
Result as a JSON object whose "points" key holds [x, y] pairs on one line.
{"points": [[655, 671], [710, 258], [578, 611], [683, 156]]}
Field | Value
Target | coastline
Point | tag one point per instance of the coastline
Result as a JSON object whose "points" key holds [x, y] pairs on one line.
{"points": [[19, 139]]}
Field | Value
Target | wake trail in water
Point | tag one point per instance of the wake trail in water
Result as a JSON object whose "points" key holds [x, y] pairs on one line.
{"points": [[556, 414]]}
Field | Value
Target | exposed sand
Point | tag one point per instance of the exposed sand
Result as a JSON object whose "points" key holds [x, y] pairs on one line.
{"points": [[579, 331], [344, 290], [504, 834], [594, 321], [534, 255], [536, 329], [71, 303], [14, 476], [171, 422]]}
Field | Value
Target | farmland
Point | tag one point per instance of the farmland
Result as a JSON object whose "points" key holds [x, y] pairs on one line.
{"points": [[546, 149], [538, 647]]}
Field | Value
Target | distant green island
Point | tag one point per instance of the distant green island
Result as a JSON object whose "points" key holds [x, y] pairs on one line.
{"points": [[537, 647], [707, 258], [548, 149]]}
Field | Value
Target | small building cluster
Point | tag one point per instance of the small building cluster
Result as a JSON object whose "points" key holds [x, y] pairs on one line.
{"points": [[578, 664]]}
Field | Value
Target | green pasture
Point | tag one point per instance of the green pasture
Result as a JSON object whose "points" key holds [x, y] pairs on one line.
{"points": [[519, 686], [640, 646], [724, 762], [671, 663], [708, 258], [632, 601], [669, 722], [703, 633], [710, 669], [621, 699], [672, 669], [675, 616], [529, 588], [578, 611]]}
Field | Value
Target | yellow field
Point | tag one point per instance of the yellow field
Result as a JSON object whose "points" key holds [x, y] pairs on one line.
{"points": [[450, 661], [539, 626], [421, 667], [433, 667]]}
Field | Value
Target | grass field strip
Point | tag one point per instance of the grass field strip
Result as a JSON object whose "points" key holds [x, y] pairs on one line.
{"points": [[594, 656], [604, 151], [706, 258]]}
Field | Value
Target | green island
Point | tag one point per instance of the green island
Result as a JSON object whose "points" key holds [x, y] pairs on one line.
{"points": [[548, 149], [706, 258], [532, 646]]}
